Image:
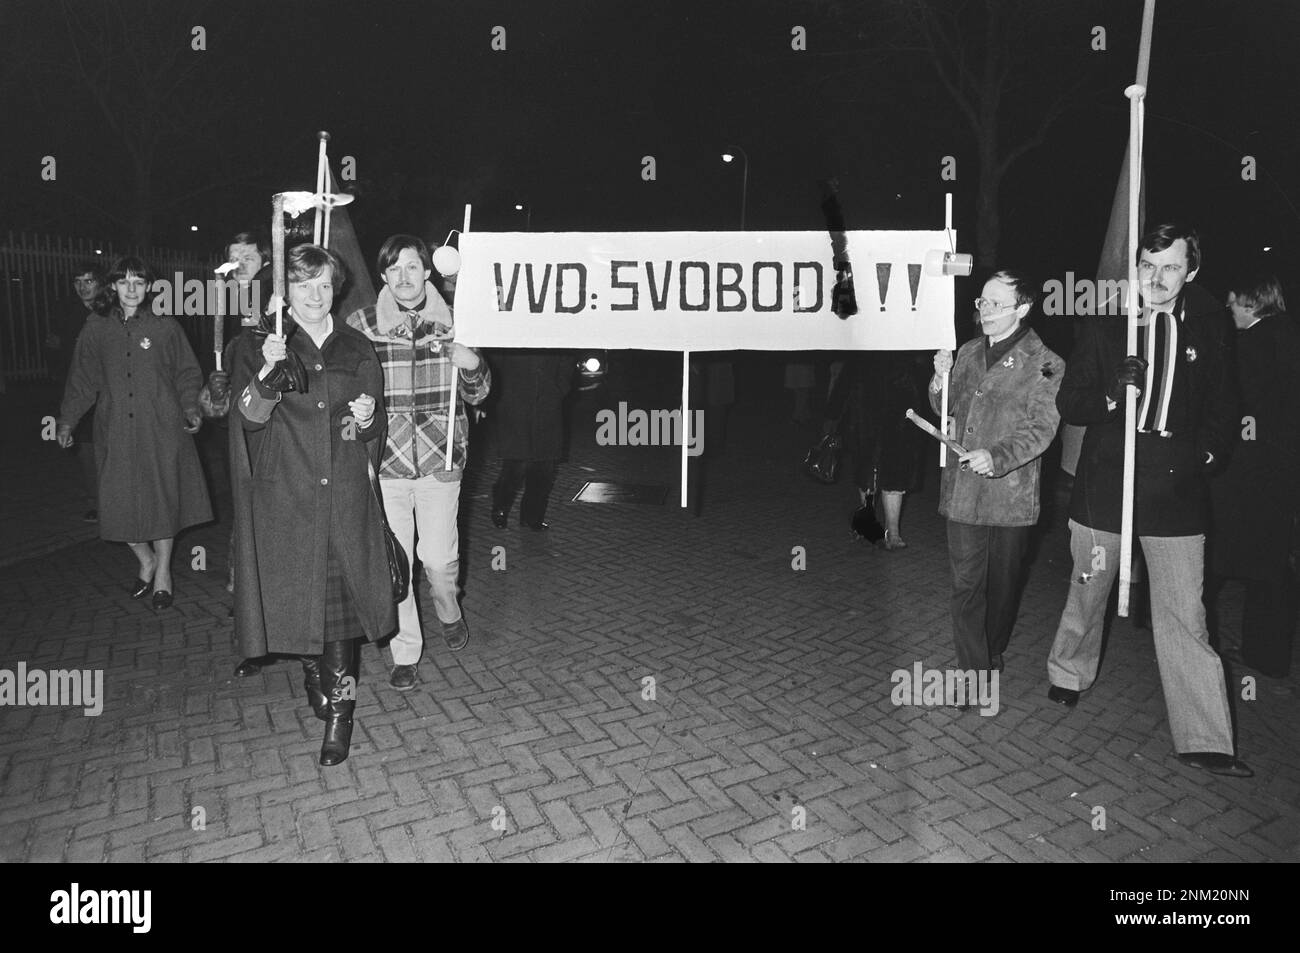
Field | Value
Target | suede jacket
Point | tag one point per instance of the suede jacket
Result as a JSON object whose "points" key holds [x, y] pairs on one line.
{"points": [[1010, 411]]}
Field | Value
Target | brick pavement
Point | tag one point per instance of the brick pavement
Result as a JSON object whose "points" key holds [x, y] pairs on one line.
{"points": [[771, 702]]}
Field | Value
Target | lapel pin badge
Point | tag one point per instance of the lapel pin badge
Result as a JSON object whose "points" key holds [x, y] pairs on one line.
{"points": [[1191, 354], [145, 343]]}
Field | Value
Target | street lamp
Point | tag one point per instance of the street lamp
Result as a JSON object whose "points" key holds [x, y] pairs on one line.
{"points": [[528, 215], [744, 182]]}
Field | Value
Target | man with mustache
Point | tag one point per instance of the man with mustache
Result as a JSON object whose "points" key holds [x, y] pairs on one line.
{"points": [[410, 327], [1186, 419]]}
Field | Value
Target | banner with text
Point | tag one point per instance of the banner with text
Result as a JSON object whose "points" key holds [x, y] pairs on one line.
{"points": [[701, 291]]}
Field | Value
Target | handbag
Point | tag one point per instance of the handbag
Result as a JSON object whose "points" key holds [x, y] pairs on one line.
{"points": [[399, 567], [823, 461]]}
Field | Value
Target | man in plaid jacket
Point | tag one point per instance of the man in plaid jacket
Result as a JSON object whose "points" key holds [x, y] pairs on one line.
{"points": [[411, 328]]}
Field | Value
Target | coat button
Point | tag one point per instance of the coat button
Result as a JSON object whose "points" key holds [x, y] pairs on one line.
{"points": [[319, 367], [320, 404], [324, 481], [970, 429]]}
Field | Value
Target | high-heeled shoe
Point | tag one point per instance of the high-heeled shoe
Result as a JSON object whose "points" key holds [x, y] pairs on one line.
{"points": [[140, 588], [162, 599], [338, 680]]}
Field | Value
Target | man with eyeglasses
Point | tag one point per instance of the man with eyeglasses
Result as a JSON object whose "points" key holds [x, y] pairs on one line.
{"points": [[1186, 420], [65, 325], [1003, 389]]}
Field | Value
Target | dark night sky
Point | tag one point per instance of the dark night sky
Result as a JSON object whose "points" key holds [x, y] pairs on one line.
{"points": [[560, 120]]}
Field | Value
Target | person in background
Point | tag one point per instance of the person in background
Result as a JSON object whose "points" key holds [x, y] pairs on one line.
{"points": [[870, 397], [411, 329], [66, 323], [1003, 404], [251, 257], [801, 378], [529, 419], [1255, 498], [137, 369]]}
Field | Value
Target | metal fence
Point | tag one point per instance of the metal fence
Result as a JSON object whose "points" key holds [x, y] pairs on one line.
{"points": [[37, 272]]}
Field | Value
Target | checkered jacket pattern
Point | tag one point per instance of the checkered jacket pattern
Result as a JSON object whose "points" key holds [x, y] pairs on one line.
{"points": [[417, 387]]}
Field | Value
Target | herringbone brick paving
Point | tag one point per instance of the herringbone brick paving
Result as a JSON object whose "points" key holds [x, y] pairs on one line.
{"points": [[771, 702]]}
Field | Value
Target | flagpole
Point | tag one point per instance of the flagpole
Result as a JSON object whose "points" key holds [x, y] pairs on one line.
{"points": [[1136, 94], [455, 381], [686, 415], [320, 185], [943, 394]]}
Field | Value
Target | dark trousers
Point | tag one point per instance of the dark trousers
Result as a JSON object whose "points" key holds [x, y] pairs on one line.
{"points": [[986, 569], [1267, 622], [536, 477]]}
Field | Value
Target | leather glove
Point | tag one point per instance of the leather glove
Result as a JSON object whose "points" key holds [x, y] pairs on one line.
{"points": [[287, 375], [218, 386], [1130, 372]]}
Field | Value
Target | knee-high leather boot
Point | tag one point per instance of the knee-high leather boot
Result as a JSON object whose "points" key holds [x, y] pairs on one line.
{"points": [[338, 678], [311, 685]]}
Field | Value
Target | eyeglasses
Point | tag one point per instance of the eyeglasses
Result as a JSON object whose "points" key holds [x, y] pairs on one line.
{"points": [[984, 304]]}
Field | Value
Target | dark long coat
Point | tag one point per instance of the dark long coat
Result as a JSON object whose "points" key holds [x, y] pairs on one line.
{"points": [[1170, 492], [529, 388], [1255, 499], [142, 379], [302, 488]]}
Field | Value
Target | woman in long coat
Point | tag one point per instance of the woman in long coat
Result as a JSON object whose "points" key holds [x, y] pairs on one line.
{"points": [[530, 387], [1003, 390], [311, 569], [139, 372]]}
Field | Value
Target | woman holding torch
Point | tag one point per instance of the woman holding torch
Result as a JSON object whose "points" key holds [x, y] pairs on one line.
{"points": [[311, 568]]}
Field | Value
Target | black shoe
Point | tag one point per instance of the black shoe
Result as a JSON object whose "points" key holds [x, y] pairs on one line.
{"points": [[455, 634], [311, 685], [539, 525], [403, 678], [162, 599], [1063, 696], [140, 588], [995, 663], [91, 516], [1217, 763], [500, 519], [338, 680], [249, 666]]}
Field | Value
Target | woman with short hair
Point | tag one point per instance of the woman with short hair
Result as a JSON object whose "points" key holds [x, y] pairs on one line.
{"points": [[311, 568], [139, 372]]}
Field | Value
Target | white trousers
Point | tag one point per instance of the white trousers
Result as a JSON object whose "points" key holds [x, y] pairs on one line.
{"points": [[427, 508]]}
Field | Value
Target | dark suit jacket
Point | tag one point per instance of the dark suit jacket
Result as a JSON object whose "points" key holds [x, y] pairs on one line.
{"points": [[1170, 491]]}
